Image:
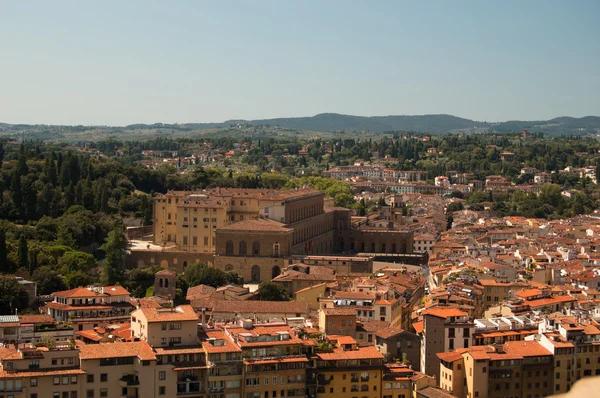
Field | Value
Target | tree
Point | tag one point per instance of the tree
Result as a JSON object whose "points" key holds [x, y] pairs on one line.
{"points": [[12, 295], [74, 261], [271, 291], [115, 250], [77, 279], [454, 206], [201, 274], [48, 281], [23, 252], [5, 266]]}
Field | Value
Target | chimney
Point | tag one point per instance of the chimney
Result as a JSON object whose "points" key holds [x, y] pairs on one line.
{"points": [[204, 318]]}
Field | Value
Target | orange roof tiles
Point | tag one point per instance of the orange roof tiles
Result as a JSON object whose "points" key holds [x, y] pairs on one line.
{"points": [[139, 349], [442, 312], [177, 314], [338, 354]]}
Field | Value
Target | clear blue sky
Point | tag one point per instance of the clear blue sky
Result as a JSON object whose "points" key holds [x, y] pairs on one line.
{"points": [[121, 62]]}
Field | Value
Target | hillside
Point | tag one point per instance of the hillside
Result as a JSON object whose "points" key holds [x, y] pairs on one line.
{"points": [[324, 122]]}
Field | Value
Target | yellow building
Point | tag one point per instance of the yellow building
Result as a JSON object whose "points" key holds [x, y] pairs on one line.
{"points": [[348, 370], [188, 220], [166, 327], [224, 364], [273, 361], [400, 381], [514, 369], [36, 372]]}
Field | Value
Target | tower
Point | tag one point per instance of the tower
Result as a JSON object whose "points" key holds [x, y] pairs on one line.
{"points": [[165, 284]]}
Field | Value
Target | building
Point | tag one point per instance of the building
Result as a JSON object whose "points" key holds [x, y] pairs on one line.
{"points": [[542, 178], [88, 307], [224, 359], [397, 344], [33, 371], [274, 364], [337, 321], [166, 327], [514, 369], [445, 329], [346, 370]]}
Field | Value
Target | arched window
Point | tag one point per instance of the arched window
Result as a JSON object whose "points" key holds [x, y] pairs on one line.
{"points": [[229, 268], [166, 283], [242, 248], [229, 248], [256, 248], [184, 264], [275, 272], [255, 273], [160, 282]]}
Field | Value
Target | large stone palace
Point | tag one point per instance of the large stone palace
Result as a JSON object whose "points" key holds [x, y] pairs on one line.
{"points": [[256, 231]]}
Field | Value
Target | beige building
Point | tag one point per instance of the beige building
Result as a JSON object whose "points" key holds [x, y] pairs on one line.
{"points": [[444, 329]]}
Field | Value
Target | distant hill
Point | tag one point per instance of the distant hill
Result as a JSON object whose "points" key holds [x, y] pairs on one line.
{"points": [[556, 126], [334, 122]]}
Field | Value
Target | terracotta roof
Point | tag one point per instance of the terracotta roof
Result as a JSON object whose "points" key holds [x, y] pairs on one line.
{"points": [[139, 349], [179, 313], [434, 392], [78, 292], [340, 311], [450, 356], [36, 318], [254, 307], [261, 224], [388, 332], [228, 345], [199, 290], [444, 312], [40, 373], [338, 354], [418, 326], [166, 272], [528, 348]]}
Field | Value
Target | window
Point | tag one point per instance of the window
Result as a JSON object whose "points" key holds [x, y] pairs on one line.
{"points": [[56, 380], [161, 375], [162, 390], [484, 369], [33, 395], [73, 379], [103, 376], [33, 381], [90, 378], [104, 392], [73, 394], [163, 340], [89, 394], [55, 394], [266, 381]]}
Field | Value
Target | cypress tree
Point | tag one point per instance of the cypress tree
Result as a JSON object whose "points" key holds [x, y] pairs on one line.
{"points": [[4, 265], [23, 252]]}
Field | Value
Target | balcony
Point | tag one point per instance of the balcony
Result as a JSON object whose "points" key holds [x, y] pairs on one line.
{"points": [[189, 388], [129, 380], [216, 389]]}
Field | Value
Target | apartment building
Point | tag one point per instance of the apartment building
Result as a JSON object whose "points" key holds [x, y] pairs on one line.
{"points": [[225, 366], [88, 307], [347, 370], [274, 363], [35, 372], [444, 329], [513, 369]]}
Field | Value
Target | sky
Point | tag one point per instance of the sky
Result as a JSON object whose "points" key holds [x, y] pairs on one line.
{"points": [[123, 62]]}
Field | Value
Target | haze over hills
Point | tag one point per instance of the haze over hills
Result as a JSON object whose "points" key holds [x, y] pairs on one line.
{"points": [[333, 122]]}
